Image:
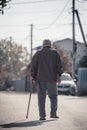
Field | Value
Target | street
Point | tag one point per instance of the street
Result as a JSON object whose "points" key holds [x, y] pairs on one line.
{"points": [[72, 112]]}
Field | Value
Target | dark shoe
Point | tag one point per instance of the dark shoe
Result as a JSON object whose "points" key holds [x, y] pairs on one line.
{"points": [[42, 118], [54, 116]]}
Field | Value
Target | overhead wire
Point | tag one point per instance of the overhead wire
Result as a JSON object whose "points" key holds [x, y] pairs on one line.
{"points": [[30, 2], [35, 12], [13, 25], [53, 22], [80, 5], [50, 25], [44, 28], [80, 1]]}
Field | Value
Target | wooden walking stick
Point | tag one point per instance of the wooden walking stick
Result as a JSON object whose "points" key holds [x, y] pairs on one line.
{"points": [[29, 97]]}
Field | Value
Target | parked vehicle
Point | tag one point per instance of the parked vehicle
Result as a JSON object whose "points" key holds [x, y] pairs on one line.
{"points": [[67, 85], [82, 82]]}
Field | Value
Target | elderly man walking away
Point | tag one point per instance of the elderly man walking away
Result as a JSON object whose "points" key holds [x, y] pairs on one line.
{"points": [[46, 69]]}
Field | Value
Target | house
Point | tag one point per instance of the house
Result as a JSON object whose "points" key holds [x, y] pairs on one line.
{"points": [[67, 44]]}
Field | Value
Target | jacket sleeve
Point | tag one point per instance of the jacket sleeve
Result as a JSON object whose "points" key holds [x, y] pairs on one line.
{"points": [[59, 65], [34, 66]]}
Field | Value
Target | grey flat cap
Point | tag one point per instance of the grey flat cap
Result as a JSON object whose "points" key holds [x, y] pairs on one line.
{"points": [[46, 43]]}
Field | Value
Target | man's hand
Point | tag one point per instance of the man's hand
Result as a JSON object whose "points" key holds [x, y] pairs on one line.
{"points": [[33, 81], [58, 79]]}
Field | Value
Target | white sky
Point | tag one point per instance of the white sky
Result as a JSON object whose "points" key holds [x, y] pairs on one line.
{"points": [[50, 18]]}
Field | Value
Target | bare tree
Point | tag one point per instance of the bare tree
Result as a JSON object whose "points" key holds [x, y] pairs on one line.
{"points": [[14, 54]]}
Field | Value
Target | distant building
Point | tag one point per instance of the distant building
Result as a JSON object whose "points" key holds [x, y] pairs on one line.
{"points": [[67, 44]]}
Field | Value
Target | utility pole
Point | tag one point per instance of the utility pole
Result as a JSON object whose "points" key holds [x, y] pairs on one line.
{"points": [[1, 58], [11, 58], [73, 36], [80, 25], [31, 40], [74, 11]]}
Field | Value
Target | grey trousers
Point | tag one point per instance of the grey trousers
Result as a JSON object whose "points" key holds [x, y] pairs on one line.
{"points": [[51, 89]]}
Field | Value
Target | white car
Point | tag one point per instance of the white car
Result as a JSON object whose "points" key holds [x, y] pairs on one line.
{"points": [[67, 85]]}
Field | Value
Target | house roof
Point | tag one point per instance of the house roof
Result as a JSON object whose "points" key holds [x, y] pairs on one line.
{"points": [[68, 39]]}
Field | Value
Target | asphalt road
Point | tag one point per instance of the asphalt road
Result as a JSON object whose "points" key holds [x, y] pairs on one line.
{"points": [[72, 112]]}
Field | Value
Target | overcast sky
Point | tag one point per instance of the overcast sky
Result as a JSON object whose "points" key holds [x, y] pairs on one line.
{"points": [[50, 18]]}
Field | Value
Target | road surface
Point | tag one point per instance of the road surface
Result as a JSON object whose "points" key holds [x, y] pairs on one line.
{"points": [[72, 112]]}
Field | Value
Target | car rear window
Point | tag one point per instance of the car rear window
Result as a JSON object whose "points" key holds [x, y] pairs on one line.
{"points": [[66, 77]]}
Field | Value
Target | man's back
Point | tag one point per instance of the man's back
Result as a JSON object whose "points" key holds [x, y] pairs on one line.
{"points": [[48, 63]]}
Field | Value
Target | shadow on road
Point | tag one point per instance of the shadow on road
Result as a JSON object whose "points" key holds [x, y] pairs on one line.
{"points": [[25, 124]]}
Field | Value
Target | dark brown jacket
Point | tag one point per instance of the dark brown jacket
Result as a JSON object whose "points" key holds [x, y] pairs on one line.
{"points": [[45, 65]]}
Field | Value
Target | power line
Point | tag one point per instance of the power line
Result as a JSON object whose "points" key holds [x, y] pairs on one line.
{"points": [[34, 2], [13, 25], [14, 32], [80, 1], [29, 25], [55, 18], [31, 12]]}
